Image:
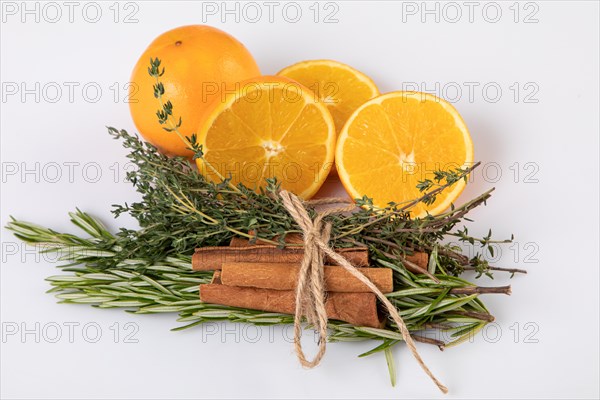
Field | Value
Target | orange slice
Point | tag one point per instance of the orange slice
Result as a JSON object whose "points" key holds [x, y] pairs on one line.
{"points": [[340, 87], [396, 140], [268, 127]]}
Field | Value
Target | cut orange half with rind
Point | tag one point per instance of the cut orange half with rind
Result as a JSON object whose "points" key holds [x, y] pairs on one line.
{"points": [[268, 127], [339, 86], [394, 141]]}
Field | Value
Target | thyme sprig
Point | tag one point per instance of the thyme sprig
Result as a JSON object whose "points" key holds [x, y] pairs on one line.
{"points": [[166, 117]]}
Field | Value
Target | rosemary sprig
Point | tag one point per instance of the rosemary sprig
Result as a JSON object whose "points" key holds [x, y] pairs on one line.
{"points": [[170, 286]]}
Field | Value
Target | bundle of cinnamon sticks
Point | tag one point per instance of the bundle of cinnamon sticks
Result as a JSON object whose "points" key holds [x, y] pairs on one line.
{"points": [[263, 277]]}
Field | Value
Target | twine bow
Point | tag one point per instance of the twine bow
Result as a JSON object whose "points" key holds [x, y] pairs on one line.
{"points": [[310, 290]]}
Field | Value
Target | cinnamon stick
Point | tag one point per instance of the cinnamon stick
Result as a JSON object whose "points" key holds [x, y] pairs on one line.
{"points": [[419, 258], [358, 309], [211, 258], [284, 276], [292, 238]]}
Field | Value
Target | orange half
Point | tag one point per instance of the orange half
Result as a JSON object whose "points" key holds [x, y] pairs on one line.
{"points": [[269, 127], [394, 141]]}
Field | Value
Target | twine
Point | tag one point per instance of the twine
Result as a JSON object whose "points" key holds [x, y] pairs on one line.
{"points": [[310, 290]]}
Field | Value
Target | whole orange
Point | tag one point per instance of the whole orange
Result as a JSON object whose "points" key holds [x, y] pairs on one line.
{"points": [[201, 63]]}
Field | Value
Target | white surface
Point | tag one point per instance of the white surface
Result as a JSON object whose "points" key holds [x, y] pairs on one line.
{"points": [[559, 214]]}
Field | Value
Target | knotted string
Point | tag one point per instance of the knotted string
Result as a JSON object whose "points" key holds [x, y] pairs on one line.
{"points": [[310, 291]]}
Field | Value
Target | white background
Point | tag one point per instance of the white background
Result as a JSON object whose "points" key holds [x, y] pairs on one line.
{"points": [[545, 341]]}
